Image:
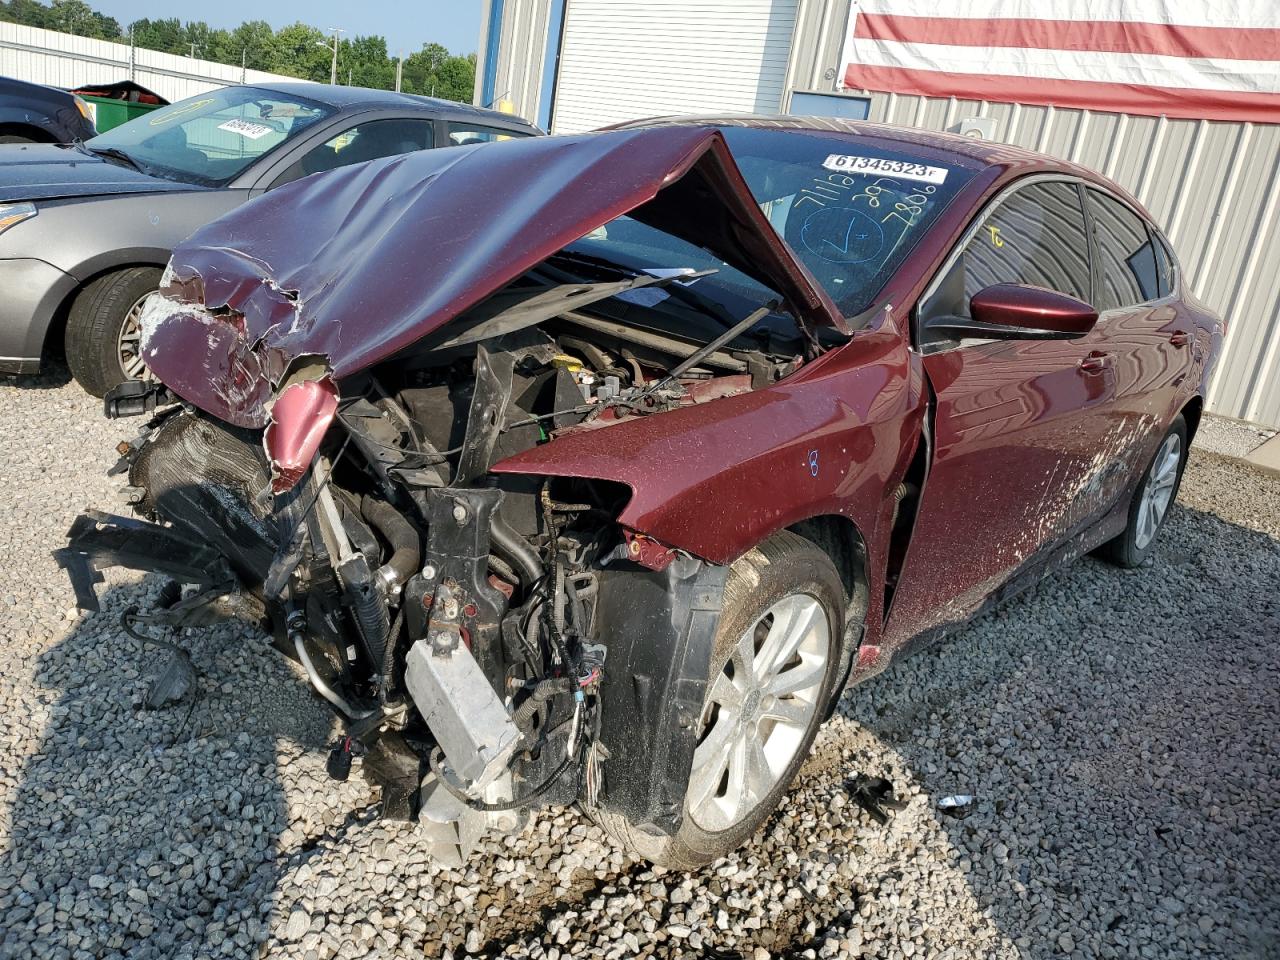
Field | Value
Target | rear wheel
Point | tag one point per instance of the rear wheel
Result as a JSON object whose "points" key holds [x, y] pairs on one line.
{"points": [[104, 338], [776, 660], [1152, 500]]}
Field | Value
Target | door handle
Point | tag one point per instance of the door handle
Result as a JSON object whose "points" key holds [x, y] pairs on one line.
{"points": [[1095, 362], [1179, 338]]}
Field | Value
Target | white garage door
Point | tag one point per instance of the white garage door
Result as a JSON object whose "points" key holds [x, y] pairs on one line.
{"points": [[643, 58]]}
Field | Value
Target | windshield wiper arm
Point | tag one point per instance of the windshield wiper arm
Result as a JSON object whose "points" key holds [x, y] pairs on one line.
{"points": [[115, 153]]}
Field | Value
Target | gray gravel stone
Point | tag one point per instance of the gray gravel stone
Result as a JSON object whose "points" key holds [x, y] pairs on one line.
{"points": [[1118, 730]]}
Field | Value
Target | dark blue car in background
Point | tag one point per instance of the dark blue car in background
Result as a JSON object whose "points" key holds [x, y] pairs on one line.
{"points": [[32, 113]]}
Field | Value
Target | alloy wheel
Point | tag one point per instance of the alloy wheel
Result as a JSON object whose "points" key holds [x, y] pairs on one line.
{"points": [[1157, 492], [129, 344], [758, 710]]}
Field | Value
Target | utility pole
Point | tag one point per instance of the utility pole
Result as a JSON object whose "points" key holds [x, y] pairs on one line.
{"points": [[193, 49], [399, 70], [333, 67], [243, 75]]}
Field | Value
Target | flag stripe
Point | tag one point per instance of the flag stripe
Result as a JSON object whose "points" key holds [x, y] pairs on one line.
{"points": [[1181, 102], [1251, 14], [1243, 76], [1162, 39]]}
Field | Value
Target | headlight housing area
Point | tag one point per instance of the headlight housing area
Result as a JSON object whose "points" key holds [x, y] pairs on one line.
{"points": [[14, 213]]}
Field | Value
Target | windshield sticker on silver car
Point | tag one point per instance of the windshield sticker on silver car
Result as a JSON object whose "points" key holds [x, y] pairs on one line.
{"points": [[251, 131], [900, 169]]}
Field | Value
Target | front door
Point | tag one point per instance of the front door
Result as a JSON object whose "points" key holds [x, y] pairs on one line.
{"points": [[1020, 426]]}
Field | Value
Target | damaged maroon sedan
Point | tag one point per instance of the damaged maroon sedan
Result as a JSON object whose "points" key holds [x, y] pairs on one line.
{"points": [[590, 469]]}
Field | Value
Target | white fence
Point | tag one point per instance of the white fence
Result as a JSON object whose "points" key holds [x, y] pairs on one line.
{"points": [[63, 60]]}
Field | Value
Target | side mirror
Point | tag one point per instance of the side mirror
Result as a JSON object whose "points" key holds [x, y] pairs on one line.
{"points": [[1033, 309]]}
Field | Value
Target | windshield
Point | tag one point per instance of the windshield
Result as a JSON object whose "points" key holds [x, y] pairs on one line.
{"points": [[212, 138], [851, 213]]}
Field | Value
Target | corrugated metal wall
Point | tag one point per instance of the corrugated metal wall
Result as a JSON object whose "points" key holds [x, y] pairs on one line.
{"points": [[1214, 187], [63, 60]]}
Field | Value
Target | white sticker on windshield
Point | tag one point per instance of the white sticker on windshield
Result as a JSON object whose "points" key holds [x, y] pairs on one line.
{"points": [[252, 131], [900, 169]]}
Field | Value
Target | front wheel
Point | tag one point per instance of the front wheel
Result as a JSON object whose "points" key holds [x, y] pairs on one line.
{"points": [[104, 338], [1152, 500], [775, 663]]}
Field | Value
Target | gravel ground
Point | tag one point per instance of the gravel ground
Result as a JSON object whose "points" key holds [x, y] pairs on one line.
{"points": [[1118, 729]]}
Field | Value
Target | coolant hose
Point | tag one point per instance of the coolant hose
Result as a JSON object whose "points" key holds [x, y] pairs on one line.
{"points": [[406, 547], [515, 550]]}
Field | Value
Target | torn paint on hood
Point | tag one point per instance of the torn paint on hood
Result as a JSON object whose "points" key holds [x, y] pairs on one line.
{"points": [[351, 266]]}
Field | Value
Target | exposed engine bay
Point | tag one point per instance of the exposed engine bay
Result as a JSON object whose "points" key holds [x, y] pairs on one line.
{"points": [[492, 642]]}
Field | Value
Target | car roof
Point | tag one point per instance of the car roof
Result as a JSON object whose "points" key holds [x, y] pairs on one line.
{"points": [[1006, 159], [981, 153], [11, 85], [344, 98]]}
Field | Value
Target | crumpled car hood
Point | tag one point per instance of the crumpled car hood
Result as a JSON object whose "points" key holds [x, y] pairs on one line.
{"points": [[349, 267]]}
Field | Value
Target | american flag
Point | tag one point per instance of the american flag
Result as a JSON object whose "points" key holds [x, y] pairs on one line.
{"points": [[1212, 59]]}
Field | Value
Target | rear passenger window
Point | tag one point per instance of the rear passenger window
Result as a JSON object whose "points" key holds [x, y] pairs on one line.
{"points": [[460, 134], [1128, 273], [1035, 237]]}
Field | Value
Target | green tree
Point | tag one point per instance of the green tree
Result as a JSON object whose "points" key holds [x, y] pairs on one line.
{"points": [[167, 35], [300, 52], [256, 41], [29, 13], [365, 60], [434, 72], [77, 17]]}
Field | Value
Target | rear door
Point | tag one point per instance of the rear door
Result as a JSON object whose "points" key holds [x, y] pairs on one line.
{"points": [[1149, 339], [1020, 425]]}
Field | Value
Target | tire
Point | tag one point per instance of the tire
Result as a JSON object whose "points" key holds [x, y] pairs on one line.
{"points": [[98, 315], [1156, 491], [10, 138], [785, 576]]}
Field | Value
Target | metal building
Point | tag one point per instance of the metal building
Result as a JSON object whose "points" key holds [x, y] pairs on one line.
{"points": [[573, 65], [64, 60]]}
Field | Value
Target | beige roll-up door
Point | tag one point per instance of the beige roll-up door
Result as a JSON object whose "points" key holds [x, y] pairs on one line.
{"points": [[625, 59]]}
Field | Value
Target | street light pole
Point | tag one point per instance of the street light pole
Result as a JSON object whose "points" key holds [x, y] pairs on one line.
{"points": [[333, 67]]}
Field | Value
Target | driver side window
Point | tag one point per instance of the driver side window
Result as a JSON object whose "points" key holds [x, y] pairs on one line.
{"points": [[1035, 237], [371, 140]]}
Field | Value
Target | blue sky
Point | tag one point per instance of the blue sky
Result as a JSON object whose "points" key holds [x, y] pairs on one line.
{"points": [[454, 23]]}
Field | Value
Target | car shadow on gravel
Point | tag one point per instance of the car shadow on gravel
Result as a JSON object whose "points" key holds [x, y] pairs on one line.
{"points": [[54, 374], [1117, 730], [141, 833]]}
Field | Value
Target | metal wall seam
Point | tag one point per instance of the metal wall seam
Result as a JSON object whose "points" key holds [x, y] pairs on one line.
{"points": [[1249, 402]]}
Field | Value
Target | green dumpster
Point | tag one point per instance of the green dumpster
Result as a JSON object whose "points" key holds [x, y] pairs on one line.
{"points": [[116, 103], [112, 113]]}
